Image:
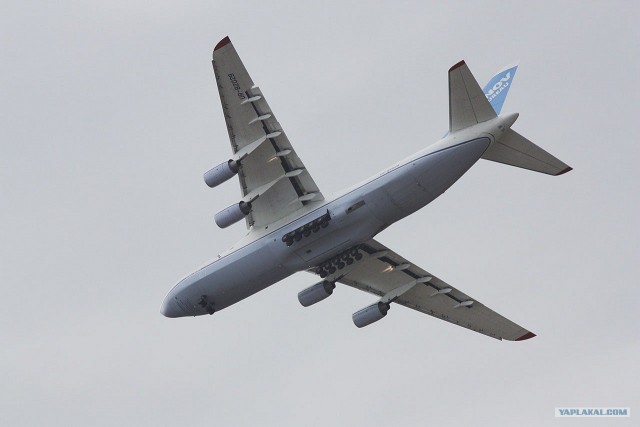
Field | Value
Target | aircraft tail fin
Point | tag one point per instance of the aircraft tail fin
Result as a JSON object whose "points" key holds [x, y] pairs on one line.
{"points": [[515, 150], [498, 87], [468, 104]]}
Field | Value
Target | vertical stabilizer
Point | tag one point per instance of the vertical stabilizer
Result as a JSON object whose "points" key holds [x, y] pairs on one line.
{"points": [[468, 104], [498, 87]]}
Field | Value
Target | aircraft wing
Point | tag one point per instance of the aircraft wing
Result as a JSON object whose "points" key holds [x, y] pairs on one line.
{"points": [[272, 176], [384, 273]]}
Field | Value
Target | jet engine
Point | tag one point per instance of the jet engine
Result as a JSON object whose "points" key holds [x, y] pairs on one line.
{"points": [[316, 293], [370, 314], [221, 173], [232, 214]]}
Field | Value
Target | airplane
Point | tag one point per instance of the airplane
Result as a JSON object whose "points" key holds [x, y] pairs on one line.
{"points": [[292, 227]]}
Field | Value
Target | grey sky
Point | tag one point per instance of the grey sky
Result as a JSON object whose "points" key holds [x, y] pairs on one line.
{"points": [[110, 115]]}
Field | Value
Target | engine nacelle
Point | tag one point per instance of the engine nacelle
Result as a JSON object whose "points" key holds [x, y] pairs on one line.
{"points": [[370, 314], [232, 214], [221, 173], [316, 293]]}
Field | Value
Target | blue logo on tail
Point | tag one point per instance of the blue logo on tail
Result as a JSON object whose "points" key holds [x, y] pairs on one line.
{"points": [[498, 87]]}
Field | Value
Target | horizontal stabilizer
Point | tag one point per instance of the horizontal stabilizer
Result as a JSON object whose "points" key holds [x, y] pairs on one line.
{"points": [[468, 104], [516, 150]]}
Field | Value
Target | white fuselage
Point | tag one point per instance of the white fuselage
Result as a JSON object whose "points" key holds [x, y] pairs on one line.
{"points": [[357, 215]]}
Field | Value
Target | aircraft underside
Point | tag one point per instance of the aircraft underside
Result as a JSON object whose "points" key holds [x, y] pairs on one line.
{"points": [[328, 239], [293, 227]]}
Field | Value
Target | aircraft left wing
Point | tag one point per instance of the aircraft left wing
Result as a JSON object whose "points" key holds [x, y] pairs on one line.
{"points": [[384, 273], [273, 179]]}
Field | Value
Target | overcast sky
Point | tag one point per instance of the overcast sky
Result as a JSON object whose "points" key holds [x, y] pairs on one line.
{"points": [[110, 115]]}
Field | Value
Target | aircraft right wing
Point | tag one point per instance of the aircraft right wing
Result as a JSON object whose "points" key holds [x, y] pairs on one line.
{"points": [[384, 273]]}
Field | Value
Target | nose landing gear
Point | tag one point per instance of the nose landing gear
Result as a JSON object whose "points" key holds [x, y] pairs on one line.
{"points": [[203, 302]]}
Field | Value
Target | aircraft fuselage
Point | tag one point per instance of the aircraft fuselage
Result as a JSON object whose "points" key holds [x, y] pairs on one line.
{"points": [[357, 215]]}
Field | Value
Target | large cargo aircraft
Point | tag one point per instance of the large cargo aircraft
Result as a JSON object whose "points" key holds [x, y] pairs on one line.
{"points": [[292, 227]]}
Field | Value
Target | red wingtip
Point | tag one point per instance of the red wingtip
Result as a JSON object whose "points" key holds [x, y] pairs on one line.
{"points": [[568, 169], [225, 41], [526, 336], [459, 64]]}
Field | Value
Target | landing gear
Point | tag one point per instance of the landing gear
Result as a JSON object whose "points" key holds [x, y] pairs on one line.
{"points": [[210, 309], [203, 302], [339, 262], [305, 231]]}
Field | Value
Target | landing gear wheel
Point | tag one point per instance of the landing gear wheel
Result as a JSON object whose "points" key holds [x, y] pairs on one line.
{"points": [[202, 302], [210, 309]]}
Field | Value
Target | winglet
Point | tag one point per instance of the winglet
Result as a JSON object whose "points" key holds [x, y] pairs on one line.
{"points": [[526, 336], [225, 41]]}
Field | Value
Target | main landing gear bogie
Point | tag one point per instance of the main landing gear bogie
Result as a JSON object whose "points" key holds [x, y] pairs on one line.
{"points": [[305, 231], [339, 262]]}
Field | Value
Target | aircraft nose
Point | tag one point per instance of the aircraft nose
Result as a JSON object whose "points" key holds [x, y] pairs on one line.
{"points": [[170, 308]]}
